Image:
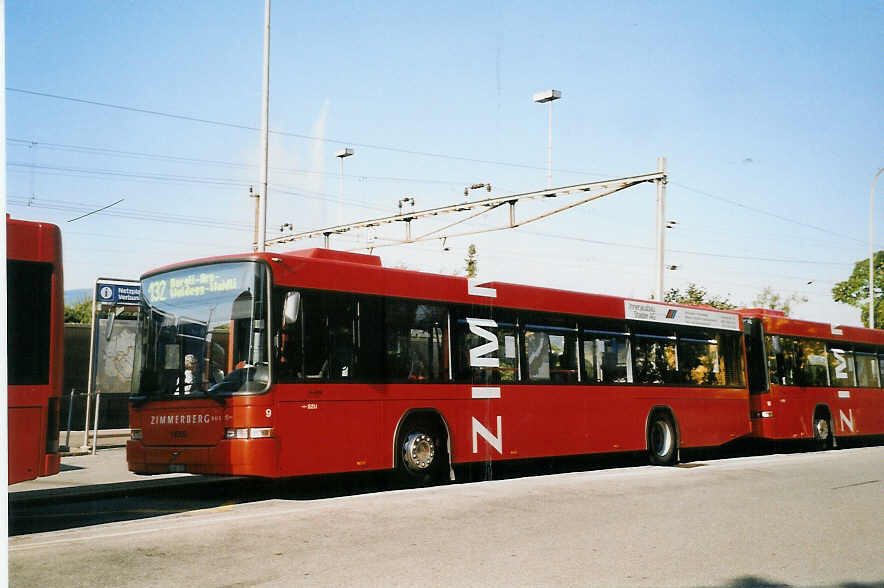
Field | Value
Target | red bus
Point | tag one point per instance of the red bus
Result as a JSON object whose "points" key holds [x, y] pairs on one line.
{"points": [[813, 380], [321, 361], [35, 336]]}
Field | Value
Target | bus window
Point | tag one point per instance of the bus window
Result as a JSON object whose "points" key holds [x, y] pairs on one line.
{"points": [[551, 353], [329, 336], [291, 344], [699, 359], [655, 356], [866, 368], [841, 367], [416, 341], [606, 356], [730, 354], [472, 333], [29, 325], [781, 360], [812, 366]]}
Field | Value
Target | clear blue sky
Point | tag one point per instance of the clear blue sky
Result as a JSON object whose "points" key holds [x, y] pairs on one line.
{"points": [[776, 106]]}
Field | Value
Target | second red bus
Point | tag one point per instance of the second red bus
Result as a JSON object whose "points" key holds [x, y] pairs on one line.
{"points": [[35, 335]]}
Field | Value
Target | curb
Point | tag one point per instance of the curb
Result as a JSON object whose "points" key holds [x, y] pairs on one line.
{"points": [[98, 491]]}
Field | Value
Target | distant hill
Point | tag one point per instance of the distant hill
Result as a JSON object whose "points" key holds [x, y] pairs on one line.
{"points": [[74, 296]]}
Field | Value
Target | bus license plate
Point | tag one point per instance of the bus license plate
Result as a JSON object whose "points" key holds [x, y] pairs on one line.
{"points": [[176, 468]]}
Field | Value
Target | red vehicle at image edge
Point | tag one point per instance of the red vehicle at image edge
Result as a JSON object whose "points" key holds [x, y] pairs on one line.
{"points": [[35, 344], [320, 361]]}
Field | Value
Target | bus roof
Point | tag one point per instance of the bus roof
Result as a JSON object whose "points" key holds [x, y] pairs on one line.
{"points": [[776, 322], [342, 271], [32, 241]]}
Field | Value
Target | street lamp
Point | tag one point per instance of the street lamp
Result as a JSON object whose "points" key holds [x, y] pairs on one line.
{"points": [[346, 152], [872, 252], [541, 98]]}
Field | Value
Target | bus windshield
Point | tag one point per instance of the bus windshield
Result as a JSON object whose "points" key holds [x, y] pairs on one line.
{"points": [[202, 331]]}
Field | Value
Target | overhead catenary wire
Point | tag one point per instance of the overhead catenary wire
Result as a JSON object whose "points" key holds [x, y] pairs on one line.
{"points": [[164, 178], [171, 178], [401, 150]]}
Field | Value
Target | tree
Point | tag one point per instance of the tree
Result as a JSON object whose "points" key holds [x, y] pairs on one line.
{"points": [[767, 298], [697, 296], [472, 266], [79, 312], [855, 289]]}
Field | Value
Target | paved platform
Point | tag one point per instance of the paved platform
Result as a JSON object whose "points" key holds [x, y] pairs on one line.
{"points": [[91, 476], [75, 443]]}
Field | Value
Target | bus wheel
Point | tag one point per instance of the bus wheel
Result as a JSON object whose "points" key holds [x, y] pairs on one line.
{"points": [[822, 431], [662, 439], [422, 454]]}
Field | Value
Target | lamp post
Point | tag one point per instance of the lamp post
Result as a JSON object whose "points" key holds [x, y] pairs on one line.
{"points": [[872, 251], [541, 98], [265, 132], [346, 152]]}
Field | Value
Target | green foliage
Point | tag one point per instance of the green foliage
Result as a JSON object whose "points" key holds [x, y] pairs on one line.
{"points": [[697, 296], [472, 264], [855, 289], [79, 312], [767, 298]]}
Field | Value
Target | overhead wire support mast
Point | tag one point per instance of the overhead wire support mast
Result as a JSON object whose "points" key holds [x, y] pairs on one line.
{"points": [[596, 190]]}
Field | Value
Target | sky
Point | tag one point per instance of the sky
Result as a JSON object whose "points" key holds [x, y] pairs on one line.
{"points": [[769, 115]]}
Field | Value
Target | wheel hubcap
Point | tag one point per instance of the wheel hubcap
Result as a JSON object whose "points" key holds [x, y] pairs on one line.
{"points": [[418, 452], [822, 429]]}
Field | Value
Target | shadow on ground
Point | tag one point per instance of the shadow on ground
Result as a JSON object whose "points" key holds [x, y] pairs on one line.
{"points": [[134, 503]]}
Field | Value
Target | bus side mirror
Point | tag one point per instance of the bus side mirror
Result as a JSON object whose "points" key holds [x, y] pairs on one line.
{"points": [[290, 309]]}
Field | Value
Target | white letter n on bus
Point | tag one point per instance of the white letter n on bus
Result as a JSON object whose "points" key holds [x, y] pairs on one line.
{"points": [[846, 423], [495, 442]]}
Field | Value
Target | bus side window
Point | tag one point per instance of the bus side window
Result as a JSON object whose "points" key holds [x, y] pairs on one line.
{"points": [[654, 355], [416, 341], [781, 360], [291, 345], [606, 355], [465, 338], [812, 362], [842, 370], [330, 335], [866, 368]]}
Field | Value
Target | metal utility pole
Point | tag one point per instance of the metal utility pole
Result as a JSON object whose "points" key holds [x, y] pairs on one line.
{"points": [[661, 221], [872, 251], [541, 98], [265, 131]]}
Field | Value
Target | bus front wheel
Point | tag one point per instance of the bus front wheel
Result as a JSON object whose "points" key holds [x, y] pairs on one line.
{"points": [[422, 453], [662, 439]]}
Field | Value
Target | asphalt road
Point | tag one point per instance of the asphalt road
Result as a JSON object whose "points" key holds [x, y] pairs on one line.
{"points": [[814, 519]]}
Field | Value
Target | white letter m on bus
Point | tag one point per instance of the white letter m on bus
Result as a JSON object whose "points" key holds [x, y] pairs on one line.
{"points": [[476, 353]]}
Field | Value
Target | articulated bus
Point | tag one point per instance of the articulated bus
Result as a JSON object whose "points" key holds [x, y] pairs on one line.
{"points": [[35, 341], [813, 380], [320, 361]]}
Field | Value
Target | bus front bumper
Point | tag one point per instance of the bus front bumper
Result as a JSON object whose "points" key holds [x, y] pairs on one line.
{"points": [[230, 457]]}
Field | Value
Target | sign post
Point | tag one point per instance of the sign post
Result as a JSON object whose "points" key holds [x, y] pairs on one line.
{"points": [[111, 297]]}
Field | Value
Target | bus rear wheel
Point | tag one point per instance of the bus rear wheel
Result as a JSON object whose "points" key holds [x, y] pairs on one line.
{"points": [[822, 431], [422, 453], [662, 439]]}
